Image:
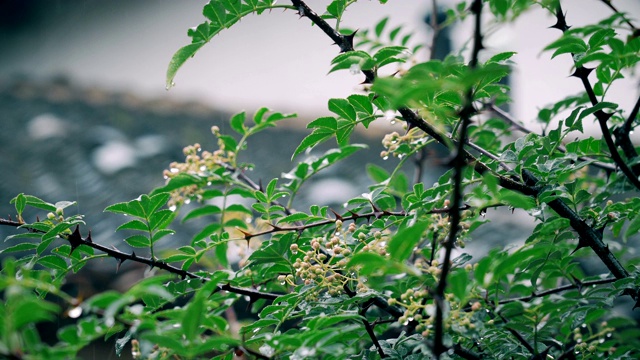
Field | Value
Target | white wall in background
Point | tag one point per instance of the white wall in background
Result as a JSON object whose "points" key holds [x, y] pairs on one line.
{"points": [[275, 60]]}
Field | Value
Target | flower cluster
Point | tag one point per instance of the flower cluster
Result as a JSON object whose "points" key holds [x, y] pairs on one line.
{"points": [[197, 162], [324, 264], [401, 145], [419, 307]]}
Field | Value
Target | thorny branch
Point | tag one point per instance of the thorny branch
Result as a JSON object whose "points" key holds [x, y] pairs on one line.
{"points": [[582, 73], [458, 163], [75, 240], [530, 187], [624, 141]]}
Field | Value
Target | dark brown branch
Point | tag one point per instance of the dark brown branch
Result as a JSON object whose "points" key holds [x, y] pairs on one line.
{"points": [[376, 214], [610, 5], [345, 42], [582, 73], [465, 353], [558, 290], [75, 240], [459, 162], [587, 235], [624, 140], [369, 328]]}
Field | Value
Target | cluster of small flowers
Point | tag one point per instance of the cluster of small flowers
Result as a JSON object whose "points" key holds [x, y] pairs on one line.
{"points": [[419, 307], [592, 344], [57, 217], [441, 226], [197, 162], [324, 264], [377, 245], [399, 145]]}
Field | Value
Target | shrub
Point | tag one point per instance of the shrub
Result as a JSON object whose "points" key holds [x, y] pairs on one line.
{"points": [[379, 278]]}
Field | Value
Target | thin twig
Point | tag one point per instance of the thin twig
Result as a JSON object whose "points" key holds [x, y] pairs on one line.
{"points": [[508, 118], [558, 290], [610, 5]]}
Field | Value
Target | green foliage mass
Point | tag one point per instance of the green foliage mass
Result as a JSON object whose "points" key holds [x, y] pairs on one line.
{"points": [[387, 275]]}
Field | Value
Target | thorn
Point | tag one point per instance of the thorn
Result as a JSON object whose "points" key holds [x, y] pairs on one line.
{"points": [[577, 282], [133, 254], [347, 42], [247, 236], [582, 72], [75, 239], [260, 185], [275, 227], [603, 115], [301, 12], [476, 7], [354, 215], [561, 21], [37, 218], [338, 217], [120, 261], [581, 243], [88, 238]]}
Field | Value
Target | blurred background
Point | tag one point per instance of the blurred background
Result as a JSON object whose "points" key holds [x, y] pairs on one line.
{"points": [[85, 116]]}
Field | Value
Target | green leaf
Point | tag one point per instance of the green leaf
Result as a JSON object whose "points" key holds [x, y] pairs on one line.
{"points": [[367, 262], [501, 57], [457, 282], [379, 28], [18, 248], [377, 173], [179, 58], [160, 219], [202, 211], [516, 199], [634, 227], [53, 262], [132, 208], [32, 311], [154, 202], [138, 241], [21, 202], [294, 218], [328, 122], [192, 318], [179, 181], [311, 140], [56, 230], [237, 123], [134, 225], [343, 108], [206, 232], [599, 106], [405, 240], [161, 233], [361, 103], [36, 202]]}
